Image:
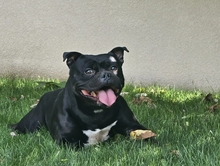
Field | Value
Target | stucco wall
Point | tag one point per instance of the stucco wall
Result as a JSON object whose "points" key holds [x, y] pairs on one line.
{"points": [[173, 42]]}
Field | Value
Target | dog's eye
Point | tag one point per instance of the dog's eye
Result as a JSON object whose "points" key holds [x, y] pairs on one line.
{"points": [[89, 71], [114, 68]]}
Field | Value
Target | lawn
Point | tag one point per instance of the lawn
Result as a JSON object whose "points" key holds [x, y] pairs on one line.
{"points": [[186, 123]]}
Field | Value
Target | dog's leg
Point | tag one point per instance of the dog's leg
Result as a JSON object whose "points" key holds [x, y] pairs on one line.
{"points": [[30, 122], [36, 117], [129, 125], [73, 137]]}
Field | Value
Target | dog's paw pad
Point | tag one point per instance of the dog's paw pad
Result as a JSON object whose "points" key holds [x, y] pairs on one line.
{"points": [[141, 134]]}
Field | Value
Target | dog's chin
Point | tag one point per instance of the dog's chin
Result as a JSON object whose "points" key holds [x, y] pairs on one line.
{"points": [[103, 97]]}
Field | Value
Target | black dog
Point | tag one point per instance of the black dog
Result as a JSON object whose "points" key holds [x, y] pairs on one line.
{"points": [[89, 109]]}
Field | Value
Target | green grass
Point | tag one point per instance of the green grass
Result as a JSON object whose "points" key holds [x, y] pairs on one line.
{"points": [[187, 133]]}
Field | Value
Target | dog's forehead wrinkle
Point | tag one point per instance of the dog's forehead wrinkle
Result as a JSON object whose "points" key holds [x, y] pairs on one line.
{"points": [[99, 61], [87, 63]]}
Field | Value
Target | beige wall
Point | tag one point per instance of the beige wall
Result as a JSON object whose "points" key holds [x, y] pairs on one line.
{"points": [[172, 42]]}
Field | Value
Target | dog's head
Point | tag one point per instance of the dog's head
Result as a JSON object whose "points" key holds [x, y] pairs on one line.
{"points": [[96, 79]]}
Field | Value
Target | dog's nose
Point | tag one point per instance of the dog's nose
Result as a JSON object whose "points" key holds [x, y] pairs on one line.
{"points": [[106, 76]]}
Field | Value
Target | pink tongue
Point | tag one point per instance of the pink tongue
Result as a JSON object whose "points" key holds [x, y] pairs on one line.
{"points": [[107, 97]]}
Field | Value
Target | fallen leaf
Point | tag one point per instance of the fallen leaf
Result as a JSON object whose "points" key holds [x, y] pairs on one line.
{"points": [[144, 99], [13, 98], [214, 107], [141, 134], [208, 98], [49, 84], [175, 152], [141, 99]]}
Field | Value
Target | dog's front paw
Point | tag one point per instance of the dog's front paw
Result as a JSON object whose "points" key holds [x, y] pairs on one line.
{"points": [[141, 134]]}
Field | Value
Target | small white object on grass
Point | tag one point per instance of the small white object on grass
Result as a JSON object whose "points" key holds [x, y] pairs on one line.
{"points": [[13, 134]]}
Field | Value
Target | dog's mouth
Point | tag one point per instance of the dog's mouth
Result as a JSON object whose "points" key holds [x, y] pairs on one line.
{"points": [[106, 95]]}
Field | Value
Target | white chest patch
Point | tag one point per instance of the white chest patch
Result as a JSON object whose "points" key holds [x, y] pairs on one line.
{"points": [[99, 135]]}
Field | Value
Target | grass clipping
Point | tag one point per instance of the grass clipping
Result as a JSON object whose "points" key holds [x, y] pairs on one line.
{"points": [[141, 134]]}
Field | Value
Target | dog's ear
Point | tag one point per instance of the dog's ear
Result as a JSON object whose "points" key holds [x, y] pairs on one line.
{"points": [[71, 57], [119, 52]]}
